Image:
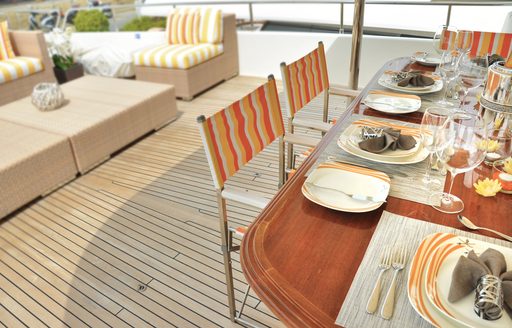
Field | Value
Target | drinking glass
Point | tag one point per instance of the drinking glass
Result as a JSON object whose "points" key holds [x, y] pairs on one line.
{"points": [[464, 41], [432, 123], [472, 72], [444, 38], [448, 69], [467, 139]]}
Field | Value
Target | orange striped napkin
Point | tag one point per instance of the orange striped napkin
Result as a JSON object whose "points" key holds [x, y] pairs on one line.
{"points": [[356, 169]]}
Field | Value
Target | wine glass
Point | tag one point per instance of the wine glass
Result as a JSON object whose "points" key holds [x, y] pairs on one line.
{"points": [[472, 73], [464, 41], [432, 123], [467, 140], [448, 69], [444, 38]]}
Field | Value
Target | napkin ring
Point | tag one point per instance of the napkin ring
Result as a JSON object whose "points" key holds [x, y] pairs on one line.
{"points": [[368, 132], [489, 298]]}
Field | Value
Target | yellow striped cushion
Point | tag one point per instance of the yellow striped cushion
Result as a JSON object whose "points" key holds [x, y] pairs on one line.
{"points": [[210, 27], [6, 51], [183, 27], [177, 55], [17, 67]]}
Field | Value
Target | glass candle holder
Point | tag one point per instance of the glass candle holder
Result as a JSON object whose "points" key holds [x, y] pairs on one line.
{"points": [[505, 178], [499, 146]]}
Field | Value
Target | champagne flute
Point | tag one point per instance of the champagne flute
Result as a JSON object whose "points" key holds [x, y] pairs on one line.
{"points": [[444, 38], [472, 73], [464, 41], [432, 123], [448, 69], [467, 140]]}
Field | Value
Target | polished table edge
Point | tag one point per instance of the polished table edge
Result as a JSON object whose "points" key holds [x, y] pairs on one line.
{"points": [[283, 299]]}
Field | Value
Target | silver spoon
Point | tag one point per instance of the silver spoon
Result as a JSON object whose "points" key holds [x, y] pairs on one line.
{"points": [[468, 224]]}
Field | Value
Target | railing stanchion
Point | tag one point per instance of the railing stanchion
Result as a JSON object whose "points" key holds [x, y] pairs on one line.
{"points": [[449, 15], [357, 37], [251, 16], [341, 18]]}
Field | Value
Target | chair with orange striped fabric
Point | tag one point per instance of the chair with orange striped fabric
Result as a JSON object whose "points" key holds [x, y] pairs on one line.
{"points": [[304, 80], [484, 43], [231, 138]]}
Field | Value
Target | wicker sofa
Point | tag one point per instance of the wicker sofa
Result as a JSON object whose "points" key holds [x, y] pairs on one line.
{"points": [[191, 81], [27, 44]]}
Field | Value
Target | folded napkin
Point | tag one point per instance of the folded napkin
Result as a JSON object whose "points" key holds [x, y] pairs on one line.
{"points": [[417, 79], [470, 269], [390, 139]]}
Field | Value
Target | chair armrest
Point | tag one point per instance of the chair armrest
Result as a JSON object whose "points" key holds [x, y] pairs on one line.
{"points": [[244, 197], [301, 140], [311, 124], [31, 44], [340, 91]]}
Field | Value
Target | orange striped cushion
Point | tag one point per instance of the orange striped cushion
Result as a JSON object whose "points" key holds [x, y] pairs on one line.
{"points": [[508, 63], [6, 51], [305, 79], [183, 27], [233, 136], [447, 40]]}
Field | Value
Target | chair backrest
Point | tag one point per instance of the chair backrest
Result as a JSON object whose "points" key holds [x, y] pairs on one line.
{"points": [[233, 136], [6, 51], [484, 43], [305, 79], [194, 26]]}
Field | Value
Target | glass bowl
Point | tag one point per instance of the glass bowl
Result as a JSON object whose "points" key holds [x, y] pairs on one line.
{"points": [[503, 177]]}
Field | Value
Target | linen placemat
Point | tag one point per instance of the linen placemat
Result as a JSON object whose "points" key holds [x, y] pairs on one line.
{"points": [[392, 229], [405, 179]]}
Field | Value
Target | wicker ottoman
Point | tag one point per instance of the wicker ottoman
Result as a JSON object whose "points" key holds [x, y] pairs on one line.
{"points": [[33, 162], [102, 115]]}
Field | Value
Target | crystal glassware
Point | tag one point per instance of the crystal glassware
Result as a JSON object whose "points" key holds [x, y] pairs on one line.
{"points": [[448, 69], [444, 38], [467, 140], [472, 72], [432, 124], [464, 41]]}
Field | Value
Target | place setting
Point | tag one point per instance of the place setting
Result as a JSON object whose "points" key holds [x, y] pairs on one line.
{"points": [[436, 275]]}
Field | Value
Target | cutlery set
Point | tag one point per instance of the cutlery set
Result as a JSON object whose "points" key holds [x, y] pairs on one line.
{"points": [[396, 259]]}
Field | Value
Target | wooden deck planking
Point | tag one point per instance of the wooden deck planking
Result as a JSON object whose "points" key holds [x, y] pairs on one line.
{"points": [[135, 242]]}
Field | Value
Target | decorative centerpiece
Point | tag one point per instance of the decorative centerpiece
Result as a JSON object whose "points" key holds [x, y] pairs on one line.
{"points": [[66, 69], [47, 96]]}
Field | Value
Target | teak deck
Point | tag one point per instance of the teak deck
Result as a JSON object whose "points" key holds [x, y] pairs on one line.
{"points": [[135, 242]]}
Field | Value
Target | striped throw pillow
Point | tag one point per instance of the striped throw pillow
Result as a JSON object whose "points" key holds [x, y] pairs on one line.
{"points": [[183, 27], [6, 51], [210, 28]]}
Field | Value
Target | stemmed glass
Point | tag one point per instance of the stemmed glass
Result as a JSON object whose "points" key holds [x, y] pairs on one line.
{"points": [[448, 69], [472, 73], [444, 38], [464, 41], [432, 123], [467, 140]]}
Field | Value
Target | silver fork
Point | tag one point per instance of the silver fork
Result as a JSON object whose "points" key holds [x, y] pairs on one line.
{"points": [[384, 265], [399, 260]]}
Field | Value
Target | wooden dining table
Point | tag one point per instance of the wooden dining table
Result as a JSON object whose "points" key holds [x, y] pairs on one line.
{"points": [[300, 258]]}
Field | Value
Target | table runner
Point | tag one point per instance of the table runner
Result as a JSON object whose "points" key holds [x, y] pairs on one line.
{"points": [[405, 179], [392, 229]]}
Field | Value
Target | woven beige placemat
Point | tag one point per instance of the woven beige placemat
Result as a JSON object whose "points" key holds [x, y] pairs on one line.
{"points": [[392, 229], [405, 179]]}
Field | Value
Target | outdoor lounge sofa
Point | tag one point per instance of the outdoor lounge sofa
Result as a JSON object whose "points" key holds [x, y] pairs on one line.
{"points": [[191, 72], [32, 65]]}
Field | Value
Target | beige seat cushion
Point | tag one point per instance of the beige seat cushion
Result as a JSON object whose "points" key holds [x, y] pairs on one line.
{"points": [[18, 67], [102, 115], [32, 162], [177, 55]]}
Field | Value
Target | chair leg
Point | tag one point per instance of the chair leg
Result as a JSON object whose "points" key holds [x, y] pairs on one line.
{"points": [[290, 159], [226, 253], [282, 171], [326, 107]]}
